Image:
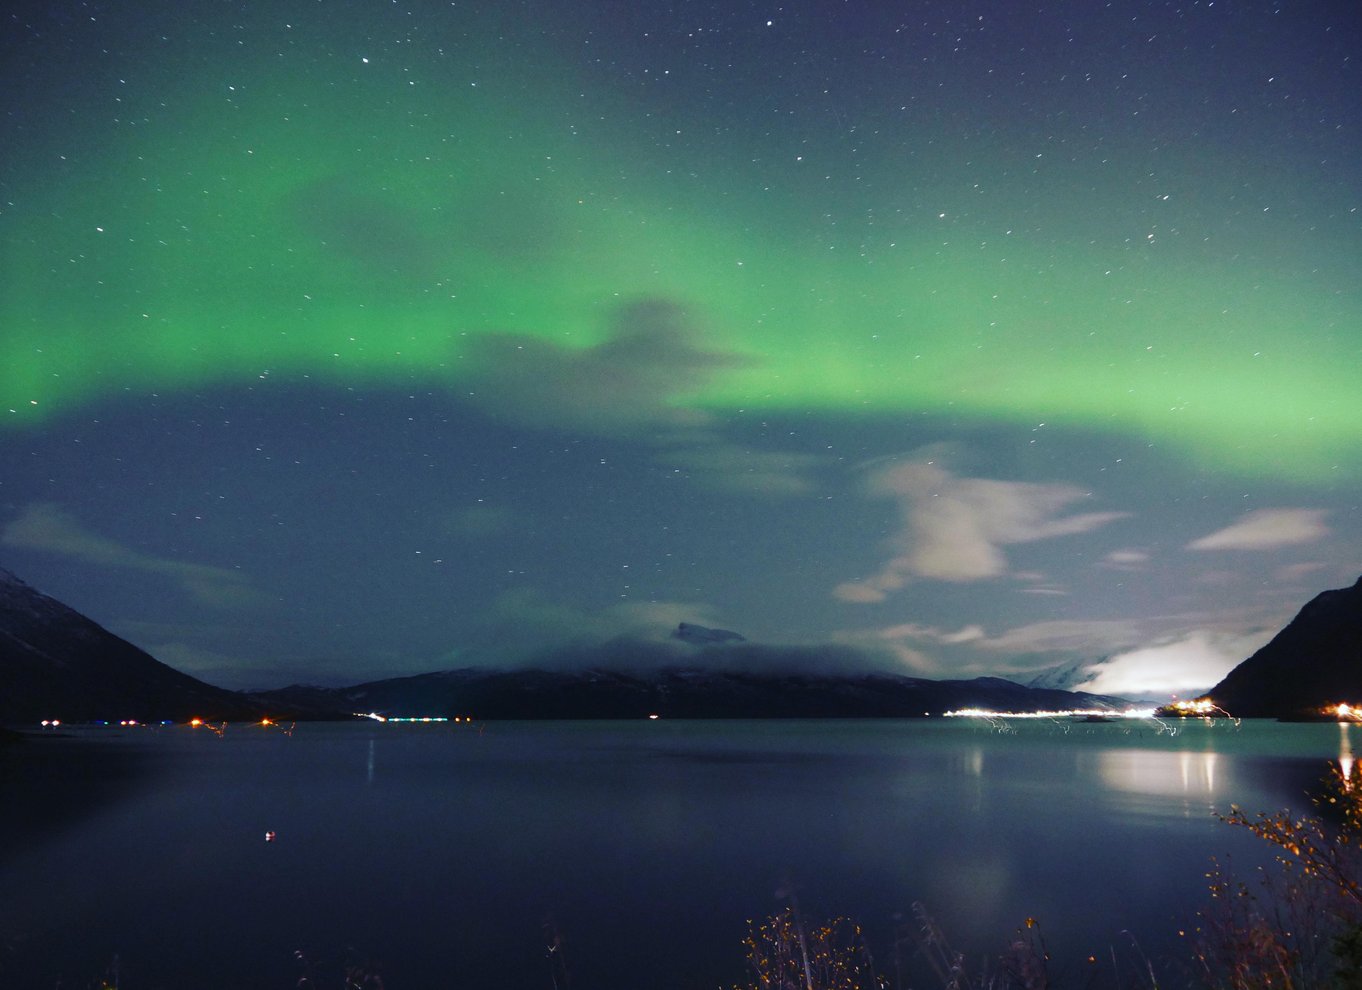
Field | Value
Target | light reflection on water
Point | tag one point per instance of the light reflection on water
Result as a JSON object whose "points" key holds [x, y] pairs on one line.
{"points": [[1345, 750], [445, 849], [1181, 774]]}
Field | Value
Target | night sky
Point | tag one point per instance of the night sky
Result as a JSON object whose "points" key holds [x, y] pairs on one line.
{"points": [[343, 340]]}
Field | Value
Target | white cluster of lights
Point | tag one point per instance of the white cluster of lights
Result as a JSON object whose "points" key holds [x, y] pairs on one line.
{"points": [[1345, 712], [1059, 713]]}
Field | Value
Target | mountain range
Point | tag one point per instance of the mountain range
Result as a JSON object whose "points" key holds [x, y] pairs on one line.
{"points": [[56, 663], [683, 693]]}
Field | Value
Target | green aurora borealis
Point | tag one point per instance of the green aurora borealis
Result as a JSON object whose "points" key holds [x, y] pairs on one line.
{"points": [[360, 221]]}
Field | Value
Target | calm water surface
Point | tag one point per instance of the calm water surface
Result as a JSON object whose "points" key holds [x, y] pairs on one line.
{"points": [[444, 851]]}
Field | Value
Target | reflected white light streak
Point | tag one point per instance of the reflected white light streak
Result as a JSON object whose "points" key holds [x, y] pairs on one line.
{"points": [[1198, 771], [974, 762]]}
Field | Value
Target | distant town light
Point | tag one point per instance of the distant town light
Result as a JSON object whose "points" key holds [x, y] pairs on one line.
{"points": [[1056, 714], [410, 718], [1059, 713], [1197, 706]]}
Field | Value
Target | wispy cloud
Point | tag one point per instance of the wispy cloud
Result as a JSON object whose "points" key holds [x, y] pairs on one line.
{"points": [[1152, 656], [1126, 560], [1084, 637], [912, 630], [635, 383], [1293, 573], [44, 526], [914, 648], [524, 623], [970, 651], [630, 382], [1267, 529], [742, 469], [954, 528]]}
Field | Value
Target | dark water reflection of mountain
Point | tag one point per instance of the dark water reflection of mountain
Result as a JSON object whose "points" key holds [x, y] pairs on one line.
{"points": [[50, 782], [444, 850]]}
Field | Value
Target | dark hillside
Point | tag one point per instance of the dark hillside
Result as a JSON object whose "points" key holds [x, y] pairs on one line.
{"points": [[56, 663], [1316, 660]]}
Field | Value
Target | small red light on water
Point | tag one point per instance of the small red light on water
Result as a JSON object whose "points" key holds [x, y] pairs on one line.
{"points": [[269, 836]]}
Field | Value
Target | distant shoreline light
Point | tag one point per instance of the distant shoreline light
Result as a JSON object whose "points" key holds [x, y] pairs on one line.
{"points": [[1059, 713], [1345, 712], [1204, 707]]}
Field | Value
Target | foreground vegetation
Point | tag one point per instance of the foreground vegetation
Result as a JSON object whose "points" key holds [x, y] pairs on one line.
{"points": [[1298, 927]]}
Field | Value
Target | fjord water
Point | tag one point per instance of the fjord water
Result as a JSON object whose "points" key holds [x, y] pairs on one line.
{"points": [[451, 854]]}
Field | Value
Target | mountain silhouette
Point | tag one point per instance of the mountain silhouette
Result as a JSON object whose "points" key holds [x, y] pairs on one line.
{"points": [[55, 663], [1313, 663]]}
